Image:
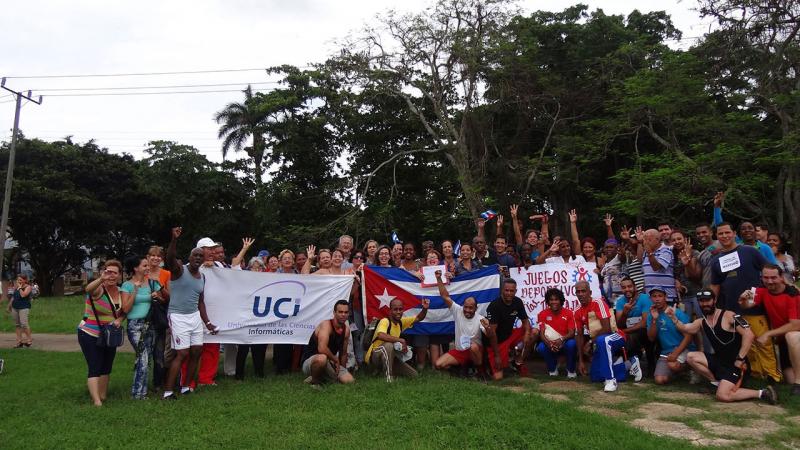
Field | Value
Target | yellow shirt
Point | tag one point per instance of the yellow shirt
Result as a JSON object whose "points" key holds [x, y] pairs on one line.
{"points": [[383, 327]]}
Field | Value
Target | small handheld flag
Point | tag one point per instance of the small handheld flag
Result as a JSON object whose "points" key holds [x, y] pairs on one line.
{"points": [[488, 214], [457, 249], [395, 238]]}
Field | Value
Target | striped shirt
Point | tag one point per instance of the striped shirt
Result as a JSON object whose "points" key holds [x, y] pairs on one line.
{"points": [[89, 323], [664, 278]]}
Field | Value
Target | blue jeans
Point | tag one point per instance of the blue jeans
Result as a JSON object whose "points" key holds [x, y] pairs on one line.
{"points": [[141, 337], [569, 349]]}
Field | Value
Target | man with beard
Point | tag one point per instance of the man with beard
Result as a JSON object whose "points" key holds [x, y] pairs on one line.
{"points": [[781, 305], [468, 326], [325, 356], [730, 337], [631, 310]]}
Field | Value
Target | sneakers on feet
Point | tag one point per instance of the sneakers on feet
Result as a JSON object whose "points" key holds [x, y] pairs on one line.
{"points": [[186, 390], [636, 369], [553, 373], [769, 395], [572, 375], [611, 385], [170, 396]]}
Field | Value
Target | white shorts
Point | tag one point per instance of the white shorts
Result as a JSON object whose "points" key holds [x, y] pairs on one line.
{"points": [[187, 330]]}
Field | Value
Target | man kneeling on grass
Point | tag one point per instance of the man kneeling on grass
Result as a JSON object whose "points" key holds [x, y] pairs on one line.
{"points": [[469, 326], [593, 320], [731, 338], [675, 346], [387, 349], [325, 355]]}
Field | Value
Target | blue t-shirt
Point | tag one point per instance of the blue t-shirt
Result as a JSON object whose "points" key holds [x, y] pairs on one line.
{"points": [[141, 303], [668, 336], [643, 305]]}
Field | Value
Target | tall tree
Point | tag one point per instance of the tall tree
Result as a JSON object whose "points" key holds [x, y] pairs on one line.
{"points": [[240, 123]]}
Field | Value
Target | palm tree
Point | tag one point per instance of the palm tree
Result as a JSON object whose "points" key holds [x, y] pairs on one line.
{"points": [[239, 122]]}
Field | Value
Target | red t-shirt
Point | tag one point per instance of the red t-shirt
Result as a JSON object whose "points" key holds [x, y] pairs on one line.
{"points": [[780, 308], [562, 321], [600, 310]]}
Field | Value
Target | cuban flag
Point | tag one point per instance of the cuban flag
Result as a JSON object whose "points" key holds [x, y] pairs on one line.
{"points": [[396, 238], [457, 248], [384, 284], [488, 214]]}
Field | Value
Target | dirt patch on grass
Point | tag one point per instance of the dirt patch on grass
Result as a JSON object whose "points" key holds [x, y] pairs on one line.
{"points": [[601, 398], [608, 412], [672, 395], [555, 397], [517, 389], [658, 410], [564, 386], [680, 430], [749, 408], [756, 429]]}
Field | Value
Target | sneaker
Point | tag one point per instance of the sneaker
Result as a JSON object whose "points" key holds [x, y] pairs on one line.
{"points": [[795, 387], [769, 395], [186, 390], [572, 375], [553, 373], [307, 380], [170, 396], [695, 378], [611, 385], [315, 386], [636, 369]]}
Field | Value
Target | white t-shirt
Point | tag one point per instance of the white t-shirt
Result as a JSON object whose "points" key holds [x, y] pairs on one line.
{"points": [[559, 260], [467, 330]]}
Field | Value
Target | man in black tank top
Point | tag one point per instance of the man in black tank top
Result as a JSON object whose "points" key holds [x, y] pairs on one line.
{"points": [[325, 356], [731, 338]]}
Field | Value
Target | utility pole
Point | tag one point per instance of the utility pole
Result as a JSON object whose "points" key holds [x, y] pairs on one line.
{"points": [[10, 174]]}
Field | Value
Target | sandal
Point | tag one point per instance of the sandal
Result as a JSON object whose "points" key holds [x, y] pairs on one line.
{"points": [[28, 344], [19, 345]]}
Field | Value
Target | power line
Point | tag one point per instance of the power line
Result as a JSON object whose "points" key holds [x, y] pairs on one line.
{"points": [[141, 74], [174, 86], [153, 93]]}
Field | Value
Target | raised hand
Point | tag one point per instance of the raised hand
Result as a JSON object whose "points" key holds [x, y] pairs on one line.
{"points": [[247, 242], [639, 234], [670, 312], [573, 216], [554, 247], [608, 220], [426, 303], [654, 312], [500, 220], [311, 251], [480, 222], [514, 210], [176, 232], [719, 197]]}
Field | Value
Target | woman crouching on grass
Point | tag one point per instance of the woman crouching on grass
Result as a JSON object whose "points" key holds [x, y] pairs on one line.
{"points": [[20, 307], [137, 295], [102, 307]]}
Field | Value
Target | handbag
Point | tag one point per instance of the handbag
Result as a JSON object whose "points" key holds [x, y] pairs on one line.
{"points": [[110, 336], [157, 317]]}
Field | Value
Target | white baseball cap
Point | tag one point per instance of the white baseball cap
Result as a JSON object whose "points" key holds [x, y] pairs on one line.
{"points": [[206, 242]]}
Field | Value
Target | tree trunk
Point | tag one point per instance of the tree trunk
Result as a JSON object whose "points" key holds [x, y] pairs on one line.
{"points": [[470, 186]]}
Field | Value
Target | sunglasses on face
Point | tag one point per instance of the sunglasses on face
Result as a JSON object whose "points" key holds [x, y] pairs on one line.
{"points": [[705, 295]]}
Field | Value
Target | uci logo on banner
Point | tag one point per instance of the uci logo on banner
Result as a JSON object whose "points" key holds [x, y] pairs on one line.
{"points": [[280, 299]]}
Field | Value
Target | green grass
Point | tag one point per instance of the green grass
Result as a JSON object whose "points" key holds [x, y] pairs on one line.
{"points": [[49, 315], [46, 406]]}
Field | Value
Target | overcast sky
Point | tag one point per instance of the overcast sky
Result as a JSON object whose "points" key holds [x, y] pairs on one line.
{"points": [[100, 37]]}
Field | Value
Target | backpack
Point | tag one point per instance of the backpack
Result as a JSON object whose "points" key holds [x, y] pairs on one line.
{"points": [[369, 334]]}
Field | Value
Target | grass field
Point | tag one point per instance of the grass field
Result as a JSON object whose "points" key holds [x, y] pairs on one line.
{"points": [[49, 315], [46, 406]]}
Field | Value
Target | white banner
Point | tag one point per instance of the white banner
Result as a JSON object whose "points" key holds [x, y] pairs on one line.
{"points": [[270, 308], [533, 282]]}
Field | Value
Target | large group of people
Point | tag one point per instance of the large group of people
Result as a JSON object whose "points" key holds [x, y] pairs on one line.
{"points": [[719, 306]]}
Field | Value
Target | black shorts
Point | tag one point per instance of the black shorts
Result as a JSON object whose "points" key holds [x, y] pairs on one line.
{"points": [[783, 350], [721, 371]]}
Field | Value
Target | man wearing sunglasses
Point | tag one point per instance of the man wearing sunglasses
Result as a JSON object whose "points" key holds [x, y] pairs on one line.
{"points": [[731, 338]]}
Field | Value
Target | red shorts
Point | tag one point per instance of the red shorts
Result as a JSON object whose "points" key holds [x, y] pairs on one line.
{"points": [[504, 347], [462, 356]]}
